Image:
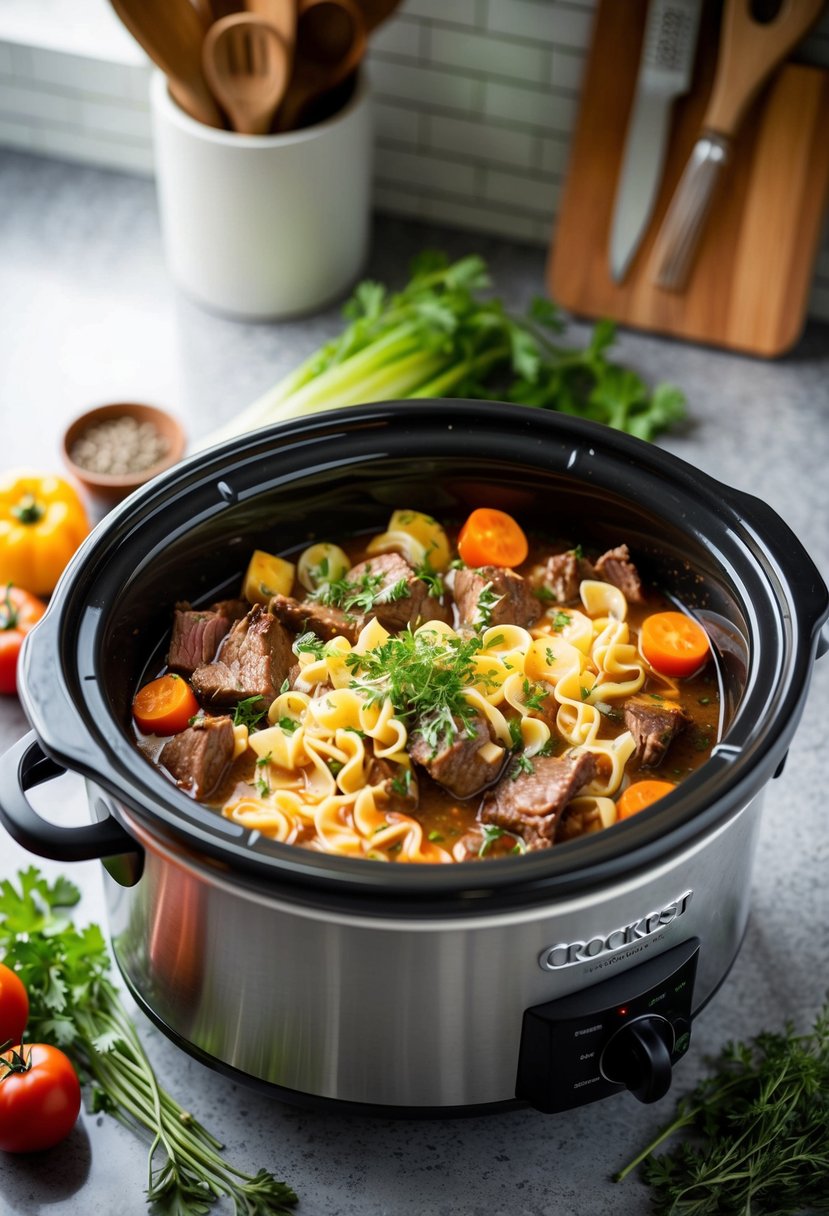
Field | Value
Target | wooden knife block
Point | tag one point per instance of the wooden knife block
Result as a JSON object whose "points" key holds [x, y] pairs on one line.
{"points": [[750, 282]]}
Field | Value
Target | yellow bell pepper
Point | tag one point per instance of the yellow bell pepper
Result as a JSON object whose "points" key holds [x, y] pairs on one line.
{"points": [[42, 522]]}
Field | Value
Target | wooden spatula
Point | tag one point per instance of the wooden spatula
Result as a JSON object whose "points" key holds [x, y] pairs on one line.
{"points": [[749, 52], [330, 43], [172, 33], [247, 66], [281, 14]]}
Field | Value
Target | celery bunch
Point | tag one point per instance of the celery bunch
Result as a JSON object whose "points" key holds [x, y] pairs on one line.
{"points": [[439, 337]]}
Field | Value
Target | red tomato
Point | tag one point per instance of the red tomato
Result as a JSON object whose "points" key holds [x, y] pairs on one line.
{"points": [[18, 612], [14, 1005], [40, 1097]]}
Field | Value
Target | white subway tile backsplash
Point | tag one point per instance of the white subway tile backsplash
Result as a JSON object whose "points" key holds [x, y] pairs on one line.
{"points": [[459, 12], [522, 191], [111, 118], [404, 36], [27, 101], [395, 123], [466, 215], [552, 22], [482, 141], [474, 103], [432, 172], [533, 107], [567, 69], [489, 54], [93, 149], [554, 154], [422, 85]]}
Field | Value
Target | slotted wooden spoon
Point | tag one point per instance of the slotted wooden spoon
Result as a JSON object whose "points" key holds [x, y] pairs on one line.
{"points": [[247, 67], [330, 43], [172, 33]]}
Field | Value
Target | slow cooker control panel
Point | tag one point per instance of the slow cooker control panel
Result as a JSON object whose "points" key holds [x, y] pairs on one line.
{"points": [[625, 1033]]}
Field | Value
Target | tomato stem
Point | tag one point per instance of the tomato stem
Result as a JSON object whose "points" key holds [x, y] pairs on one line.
{"points": [[18, 1061], [9, 616]]}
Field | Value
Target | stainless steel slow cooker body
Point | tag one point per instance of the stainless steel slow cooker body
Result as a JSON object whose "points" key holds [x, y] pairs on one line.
{"points": [[408, 987]]}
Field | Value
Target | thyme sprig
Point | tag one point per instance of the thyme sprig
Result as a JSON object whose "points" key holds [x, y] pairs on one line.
{"points": [[74, 1004], [760, 1133]]}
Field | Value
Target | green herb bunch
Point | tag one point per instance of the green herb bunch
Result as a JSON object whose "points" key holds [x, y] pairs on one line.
{"points": [[75, 1005], [443, 335], [758, 1133]]}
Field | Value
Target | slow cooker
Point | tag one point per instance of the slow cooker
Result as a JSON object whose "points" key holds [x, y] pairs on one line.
{"points": [[554, 978]]}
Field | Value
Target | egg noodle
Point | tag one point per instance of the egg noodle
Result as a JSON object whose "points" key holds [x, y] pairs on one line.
{"points": [[314, 761]]}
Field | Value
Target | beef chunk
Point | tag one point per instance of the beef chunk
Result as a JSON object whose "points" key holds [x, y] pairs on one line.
{"points": [[616, 567], [508, 599], [397, 793], [253, 661], [391, 573], [561, 577], [197, 633], [531, 804], [458, 764], [324, 621], [200, 756], [654, 725]]}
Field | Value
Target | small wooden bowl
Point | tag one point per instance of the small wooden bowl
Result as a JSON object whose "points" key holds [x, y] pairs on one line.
{"points": [[114, 486]]}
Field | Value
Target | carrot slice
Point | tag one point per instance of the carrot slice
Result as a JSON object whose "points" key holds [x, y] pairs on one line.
{"points": [[641, 794], [492, 538], [164, 706], [673, 644]]}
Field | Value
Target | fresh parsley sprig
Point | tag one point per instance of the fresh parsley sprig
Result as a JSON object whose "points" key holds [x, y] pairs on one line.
{"points": [[75, 1005], [759, 1128]]}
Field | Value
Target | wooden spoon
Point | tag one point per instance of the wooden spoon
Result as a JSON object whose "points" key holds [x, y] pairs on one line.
{"points": [[330, 42], [376, 11], [280, 13], [247, 65], [750, 50], [172, 33]]}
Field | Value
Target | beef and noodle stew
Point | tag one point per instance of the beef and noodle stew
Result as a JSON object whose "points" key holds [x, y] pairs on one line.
{"points": [[433, 696]]}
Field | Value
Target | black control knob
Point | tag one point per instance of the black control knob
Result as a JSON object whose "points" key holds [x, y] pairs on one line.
{"points": [[639, 1057]]}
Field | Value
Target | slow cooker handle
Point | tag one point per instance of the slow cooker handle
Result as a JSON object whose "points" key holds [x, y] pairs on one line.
{"points": [[804, 580], [26, 765]]}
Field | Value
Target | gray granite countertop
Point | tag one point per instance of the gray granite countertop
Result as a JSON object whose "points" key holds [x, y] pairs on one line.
{"points": [[88, 315]]}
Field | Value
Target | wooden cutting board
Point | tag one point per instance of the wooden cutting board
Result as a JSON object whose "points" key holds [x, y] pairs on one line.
{"points": [[750, 283]]}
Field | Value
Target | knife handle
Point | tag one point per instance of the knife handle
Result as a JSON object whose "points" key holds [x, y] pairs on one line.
{"points": [[676, 245]]}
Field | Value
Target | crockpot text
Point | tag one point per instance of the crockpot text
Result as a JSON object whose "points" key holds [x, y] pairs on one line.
{"points": [[567, 954]]}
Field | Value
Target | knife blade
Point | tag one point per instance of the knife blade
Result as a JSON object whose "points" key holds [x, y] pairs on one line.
{"points": [[665, 70]]}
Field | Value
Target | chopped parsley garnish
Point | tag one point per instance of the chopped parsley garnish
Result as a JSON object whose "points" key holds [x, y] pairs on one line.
{"points": [[287, 724], [550, 747], [515, 735], [402, 783], [431, 578], [521, 764], [549, 656], [656, 696], [284, 686], [309, 643], [197, 719], [577, 551], [543, 593], [490, 832], [487, 600], [705, 700], [247, 714], [425, 676], [519, 846], [585, 692], [436, 837], [534, 695], [356, 731], [334, 767], [263, 781], [498, 640], [362, 594], [561, 620], [457, 563], [400, 591]]}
